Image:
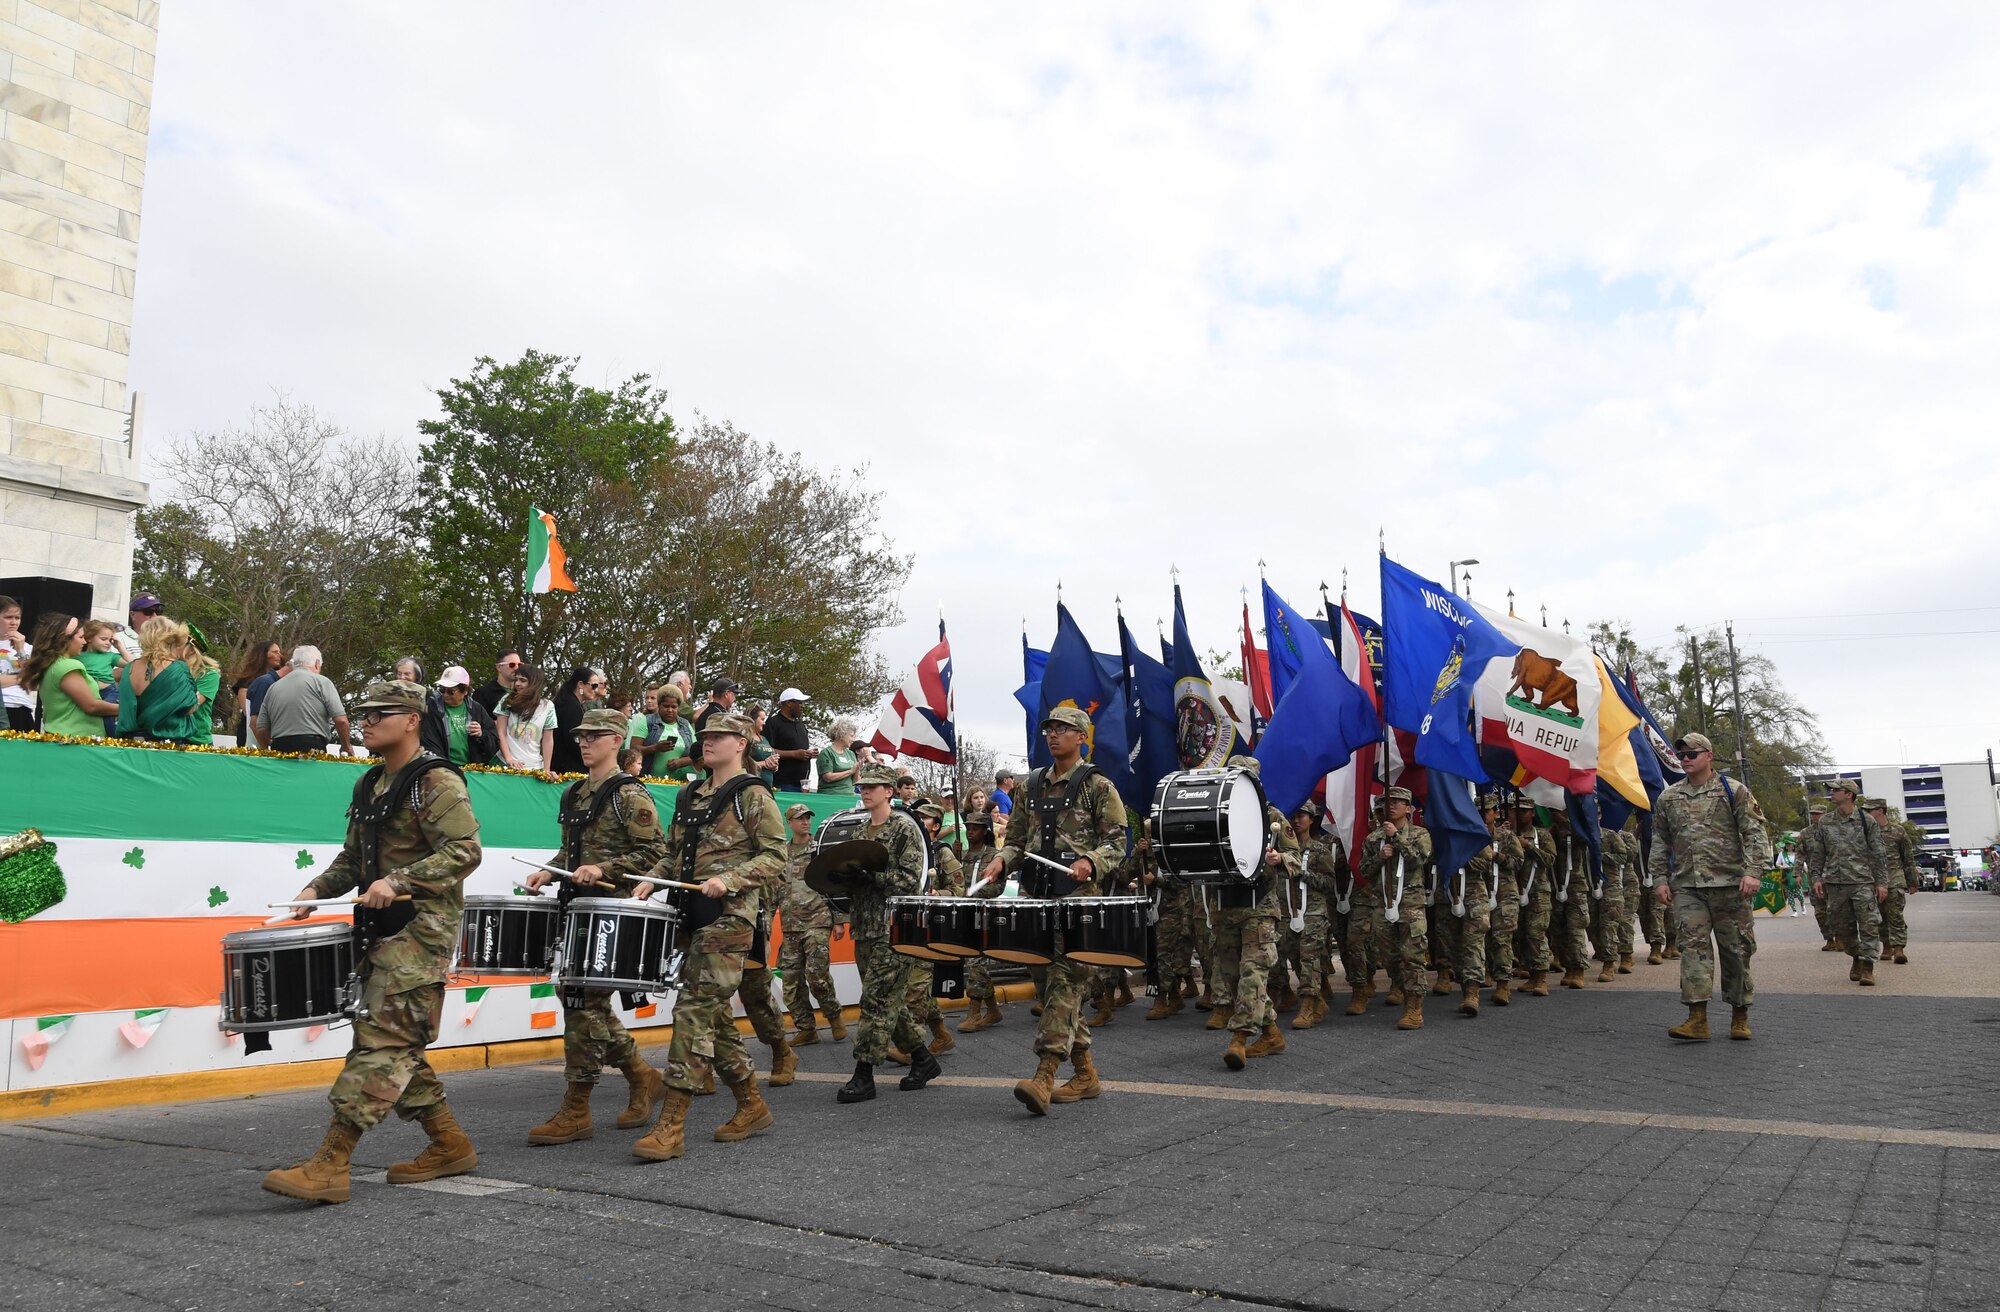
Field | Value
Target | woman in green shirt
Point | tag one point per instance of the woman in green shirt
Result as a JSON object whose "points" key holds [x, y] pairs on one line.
{"points": [[836, 762], [763, 756], [70, 704], [207, 683]]}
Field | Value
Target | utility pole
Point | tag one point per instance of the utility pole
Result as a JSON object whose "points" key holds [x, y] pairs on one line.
{"points": [[1736, 696], [1694, 665]]}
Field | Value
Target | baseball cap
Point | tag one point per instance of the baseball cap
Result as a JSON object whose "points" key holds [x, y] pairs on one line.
{"points": [[454, 676], [1068, 716], [724, 684], [391, 695], [878, 773], [1843, 785], [793, 695], [1399, 794], [602, 719], [146, 601], [797, 809], [1694, 742], [725, 722]]}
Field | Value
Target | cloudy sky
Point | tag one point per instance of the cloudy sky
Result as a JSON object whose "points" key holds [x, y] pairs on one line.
{"points": [[1669, 314]]}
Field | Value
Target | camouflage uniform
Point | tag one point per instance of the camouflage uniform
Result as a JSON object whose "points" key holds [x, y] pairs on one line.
{"points": [[806, 921], [1903, 881], [1093, 829], [744, 847], [1409, 933], [1848, 855], [1246, 938], [1503, 889], [1321, 859], [1623, 934], [919, 995], [1571, 891], [1364, 944], [1538, 863], [979, 970], [1173, 937], [885, 1015], [1656, 922], [1703, 843], [1465, 956], [426, 849], [625, 839]]}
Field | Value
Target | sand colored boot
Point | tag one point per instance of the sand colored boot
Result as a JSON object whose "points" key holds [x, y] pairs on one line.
{"points": [[1167, 1004], [1739, 1022], [805, 1038], [321, 1178], [752, 1113], [1538, 983], [784, 1066], [1311, 1008], [836, 1025], [1233, 1055], [1503, 992], [1083, 1084], [1442, 987], [1395, 996], [1653, 957], [1413, 1013], [1102, 1016], [1125, 997], [667, 1140], [1605, 976], [941, 1040], [1269, 1044], [644, 1085], [1854, 970], [571, 1123], [1695, 1028], [1036, 1091], [449, 1152], [1217, 1020], [1468, 1001], [1358, 1004], [1867, 980], [1625, 964]]}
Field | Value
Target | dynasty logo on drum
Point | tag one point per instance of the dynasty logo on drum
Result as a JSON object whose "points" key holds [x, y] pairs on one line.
{"points": [[260, 991], [600, 952], [489, 945], [1204, 735]]}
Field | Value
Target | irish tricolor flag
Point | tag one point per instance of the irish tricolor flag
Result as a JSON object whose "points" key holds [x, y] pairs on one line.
{"points": [[548, 569]]}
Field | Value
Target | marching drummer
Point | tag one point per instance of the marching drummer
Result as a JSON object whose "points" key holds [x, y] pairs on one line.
{"points": [[885, 1015], [1069, 814], [410, 833], [610, 827]]}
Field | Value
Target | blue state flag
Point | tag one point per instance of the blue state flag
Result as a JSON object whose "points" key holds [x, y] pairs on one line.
{"points": [[1286, 635], [1458, 832], [1316, 726], [1077, 676], [1029, 695], [1204, 735], [1149, 719], [1583, 819], [1434, 648]]}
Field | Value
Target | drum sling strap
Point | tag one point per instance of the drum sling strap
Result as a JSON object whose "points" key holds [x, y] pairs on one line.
{"points": [[691, 818], [576, 822], [1048, 809]]}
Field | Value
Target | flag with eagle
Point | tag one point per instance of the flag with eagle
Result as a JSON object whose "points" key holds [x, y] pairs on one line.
{"points": [[917, 721]]}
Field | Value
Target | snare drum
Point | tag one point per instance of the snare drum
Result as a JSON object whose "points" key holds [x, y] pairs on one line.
{"points": [[286, 977], [909, 929], [952, 925], [618, 943], [507, 935], [1018, 929], [1209, 827], [1104, 931]]}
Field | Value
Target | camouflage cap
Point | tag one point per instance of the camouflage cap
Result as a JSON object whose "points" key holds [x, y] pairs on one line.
{"points": [[797, 809], [1847, 786], [727, 722], [1308, 807], [1523, 802], [1398, 794], [876, 773], [929, 811], [1817, 808], [979, 820], [1694, 742], [1247, 764], [392, 695], [1874, 803], [1489, 800], [603, 720], [1069, 716]]}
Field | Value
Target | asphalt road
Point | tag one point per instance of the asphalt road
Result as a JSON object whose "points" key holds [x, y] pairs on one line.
{"points": [[1558, 1154]]}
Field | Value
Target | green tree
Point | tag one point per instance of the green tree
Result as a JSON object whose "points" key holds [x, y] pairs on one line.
{"points": [[285, 527], [511, 437]]}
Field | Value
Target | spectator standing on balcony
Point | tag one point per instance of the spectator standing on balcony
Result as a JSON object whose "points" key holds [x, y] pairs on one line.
{"points": [[157, 698], [302, 712], [527, 723], [500, 687], [786, 732], [267, 657], [70, 704]]}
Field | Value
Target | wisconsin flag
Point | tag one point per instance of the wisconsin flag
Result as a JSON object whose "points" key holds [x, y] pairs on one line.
{"points": [[917, 721], [548, 566], [1435, 646]]}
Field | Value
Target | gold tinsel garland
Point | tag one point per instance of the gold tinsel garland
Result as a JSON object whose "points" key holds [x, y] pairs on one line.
{"points": [[66, 740]]}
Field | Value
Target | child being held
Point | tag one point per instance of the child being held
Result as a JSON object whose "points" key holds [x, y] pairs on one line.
{"points": [[102, 664]]}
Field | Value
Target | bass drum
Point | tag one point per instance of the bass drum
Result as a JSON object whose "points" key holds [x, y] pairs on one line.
{"points": [[1208, 827]]}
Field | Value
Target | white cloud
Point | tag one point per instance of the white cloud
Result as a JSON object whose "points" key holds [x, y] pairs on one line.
{"points": [[1095, 291]]}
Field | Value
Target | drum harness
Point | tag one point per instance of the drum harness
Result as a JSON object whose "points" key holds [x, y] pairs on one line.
{"points": [[691, 819], [575, 822], [371, 812], [1048, 809]]}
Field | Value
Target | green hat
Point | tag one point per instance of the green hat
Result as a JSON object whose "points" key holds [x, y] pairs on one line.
{"points": [[392, 695], [1398, 794], [727, 722], [876, 773], [797, 809], [1248, 764], [603, 720], [198, 638], [1067, 715]]}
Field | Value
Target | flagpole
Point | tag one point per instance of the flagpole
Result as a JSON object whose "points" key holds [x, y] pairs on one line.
{"points": [[957, 749]]}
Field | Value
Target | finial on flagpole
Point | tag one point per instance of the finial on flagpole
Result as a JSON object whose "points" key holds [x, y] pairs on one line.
{"points": [[1545, 615], [1382, 541], [1260, 568], [1565, 626], [1510, 604], [1174, 572], [1343, 583], [1058, 592], [1118, 604]]}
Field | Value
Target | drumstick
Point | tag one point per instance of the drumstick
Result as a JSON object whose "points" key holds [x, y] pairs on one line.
{"points": [[330, 902], [663, 883], [1053, 865]]}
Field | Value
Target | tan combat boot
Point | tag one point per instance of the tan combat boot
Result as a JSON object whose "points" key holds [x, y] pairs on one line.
{"points": [[1413, 1013], [1468, 1001], [1854, 970], [1233, 1055], [1653, 957], [1395, 998], [993, 1016], [571, 1122], [897, 1057], [1310, 1010], [1202, 1002], [667, 1140], [806, 1037], [1442, 988], [1605, 976], [836, 1025], [1503, 992], [1695, 1028], [1125, 998], [1739, 1022], [1538, 983], [1672, 953], [1830, 946], [1083, 1084], [1102, 1016], [1573, 978], [1217, 1019], [1903, 955], [1269, 1044], [1625, 964], [644, 1084], [1520, 972], [784, 1066], [321, 1178], [941, 1040], [752, 1112], [1167, 1004], [1358, 1004], [449, 1152], [1867, 975], [1036, 1091], [974, 1019]]}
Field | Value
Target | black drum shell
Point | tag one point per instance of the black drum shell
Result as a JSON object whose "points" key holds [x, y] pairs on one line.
{"points": [[618, 943], [285, 977], [1105, 931], [508, 936], [1020, 930]]}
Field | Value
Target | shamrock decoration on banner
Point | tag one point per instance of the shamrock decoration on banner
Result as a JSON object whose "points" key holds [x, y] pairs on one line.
{"points": [[136, 858]]}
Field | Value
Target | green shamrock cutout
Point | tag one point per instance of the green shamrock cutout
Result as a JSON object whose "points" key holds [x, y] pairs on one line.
{"points": [[136, 858], [303, 859], [216, 897]]}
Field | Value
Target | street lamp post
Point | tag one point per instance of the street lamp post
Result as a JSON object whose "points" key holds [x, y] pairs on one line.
{"points": [[1454, 573]]}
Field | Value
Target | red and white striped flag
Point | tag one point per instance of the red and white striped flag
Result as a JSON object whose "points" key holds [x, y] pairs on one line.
{"points": [[918, 719]]}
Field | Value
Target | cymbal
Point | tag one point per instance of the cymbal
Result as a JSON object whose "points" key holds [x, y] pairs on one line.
{"points": [[834, 870]]}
